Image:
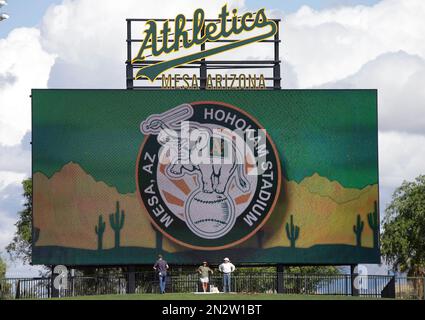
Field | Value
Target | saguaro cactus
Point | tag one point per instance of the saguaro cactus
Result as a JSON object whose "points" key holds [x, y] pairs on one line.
{"points": [[100, 229], [372, 219], [117, 222], [358, 229], [292, 232]]}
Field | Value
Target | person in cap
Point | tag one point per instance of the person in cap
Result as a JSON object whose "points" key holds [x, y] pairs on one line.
{"points": [[161, 267], [226, 268], [204, 272]]}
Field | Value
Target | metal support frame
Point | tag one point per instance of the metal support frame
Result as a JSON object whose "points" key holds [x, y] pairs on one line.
{"points": [[276, 67], [18, 290], [129, 67], [354, 274], [203, 65], [54, 293], [131, 279], [280, 287], [71, 283]]}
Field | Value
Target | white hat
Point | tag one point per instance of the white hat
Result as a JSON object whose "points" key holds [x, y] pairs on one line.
{"points": [[226, 259]]}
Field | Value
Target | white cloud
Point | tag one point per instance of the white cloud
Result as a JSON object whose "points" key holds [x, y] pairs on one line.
{"points": [[328, 45], [7, 229], [8, 177], [10, 201], [399, 78], [90, 39], [401, 157], [23, 65], [16, 158]]}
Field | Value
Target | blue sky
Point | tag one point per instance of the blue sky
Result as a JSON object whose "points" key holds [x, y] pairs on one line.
{"points": [[23, 13], [289, 6], [28, 13]]}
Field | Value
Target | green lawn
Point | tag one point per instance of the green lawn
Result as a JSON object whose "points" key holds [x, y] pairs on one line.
{"points": [[218, 296]]}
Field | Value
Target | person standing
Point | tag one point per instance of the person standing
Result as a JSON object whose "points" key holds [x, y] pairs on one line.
{"points": [[204, 272], [161, 267], [226, 268]]}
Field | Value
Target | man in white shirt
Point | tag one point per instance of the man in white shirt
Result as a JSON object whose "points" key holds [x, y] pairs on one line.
{"points": [[226, 268]]}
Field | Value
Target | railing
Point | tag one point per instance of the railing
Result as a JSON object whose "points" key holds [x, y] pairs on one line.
{"points": [[242, 282], [17, 288], [410, 288]]}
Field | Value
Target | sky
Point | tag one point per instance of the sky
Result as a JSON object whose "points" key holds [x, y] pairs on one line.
{"points": [[325, 44], [28, 13]]}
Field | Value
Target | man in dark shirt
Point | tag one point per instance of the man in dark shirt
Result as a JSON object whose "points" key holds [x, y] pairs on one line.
{"points": [[161, 267]]}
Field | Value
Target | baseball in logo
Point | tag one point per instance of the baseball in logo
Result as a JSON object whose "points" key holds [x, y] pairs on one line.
{"points": [[207, 174]]}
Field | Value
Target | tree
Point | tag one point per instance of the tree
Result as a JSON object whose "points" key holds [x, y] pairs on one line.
{"points": [[20, 247], [313, 270], [5, 292], [403, 236], [2, 269]]}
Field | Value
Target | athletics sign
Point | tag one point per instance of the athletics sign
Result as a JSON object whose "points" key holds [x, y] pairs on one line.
{"points": [[177, 37], [279, 176]]}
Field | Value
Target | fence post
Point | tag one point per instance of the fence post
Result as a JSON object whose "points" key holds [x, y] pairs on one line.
{"points": [[18, 290], [354, 275], [131, 279], [54, 291], [72, 277], [280, 274], [346, 285], [423, 287]]}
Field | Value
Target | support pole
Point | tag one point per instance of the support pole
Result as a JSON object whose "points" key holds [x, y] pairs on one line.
{"points": [[54, 292], [129, 66], [354, 274], [203, 66], [18, 290], [71, 286], [280, 288], [131, 280], [276, 67]]}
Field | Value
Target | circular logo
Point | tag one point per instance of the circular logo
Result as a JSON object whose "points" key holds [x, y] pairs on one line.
{"points": [[207, 174]]}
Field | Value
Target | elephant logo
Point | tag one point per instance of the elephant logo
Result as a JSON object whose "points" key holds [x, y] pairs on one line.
{"points": [[198, 172]]}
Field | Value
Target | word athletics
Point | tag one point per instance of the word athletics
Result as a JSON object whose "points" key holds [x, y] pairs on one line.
{"points": [[171, 39]]}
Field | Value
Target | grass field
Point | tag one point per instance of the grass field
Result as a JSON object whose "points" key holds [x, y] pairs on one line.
{"points": [[231, 296]]}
